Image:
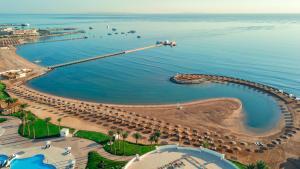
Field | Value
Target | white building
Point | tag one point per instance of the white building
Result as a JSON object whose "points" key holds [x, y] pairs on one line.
{"points": [[64, 132]]}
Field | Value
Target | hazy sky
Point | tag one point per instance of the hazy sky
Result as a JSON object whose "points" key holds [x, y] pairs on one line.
{"points": [[150, 6]]}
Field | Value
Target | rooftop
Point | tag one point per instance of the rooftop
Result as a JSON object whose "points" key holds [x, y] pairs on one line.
{"points": [[180, 157]]}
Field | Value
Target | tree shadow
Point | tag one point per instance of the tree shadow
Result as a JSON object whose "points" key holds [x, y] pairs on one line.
{"points": [[291, 163]]}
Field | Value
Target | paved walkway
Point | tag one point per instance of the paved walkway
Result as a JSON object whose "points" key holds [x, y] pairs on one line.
{"points": [[80, 147]]}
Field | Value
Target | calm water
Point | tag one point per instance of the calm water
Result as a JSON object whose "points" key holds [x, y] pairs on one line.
{"points": [[262, 48], [35, 162]]}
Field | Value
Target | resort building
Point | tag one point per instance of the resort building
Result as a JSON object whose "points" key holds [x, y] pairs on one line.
{"points": [[15, 74], [173, 156], [32, 32], [18, 32]]}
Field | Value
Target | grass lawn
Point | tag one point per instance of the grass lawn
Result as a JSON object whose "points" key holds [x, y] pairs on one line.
{"points": [[130, 148], [94, 161], [2, 120], [3, 94], [40, 127], [95, 136], [238, 164]]}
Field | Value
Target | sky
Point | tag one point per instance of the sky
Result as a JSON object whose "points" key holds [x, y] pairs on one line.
{"points": [[150, 6]]}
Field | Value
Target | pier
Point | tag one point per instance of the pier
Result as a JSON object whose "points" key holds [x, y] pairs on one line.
{"points": [[110, 55]]}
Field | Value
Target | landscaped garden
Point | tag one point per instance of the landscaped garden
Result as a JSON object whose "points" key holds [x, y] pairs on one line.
{"points": [[2, 120], [36, 128], [95, 161], [118, 146], [94, 136], [124, 148]]}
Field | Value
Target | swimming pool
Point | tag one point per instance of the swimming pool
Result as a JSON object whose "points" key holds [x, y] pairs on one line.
{"points": [[3, 158], [34, 162]]}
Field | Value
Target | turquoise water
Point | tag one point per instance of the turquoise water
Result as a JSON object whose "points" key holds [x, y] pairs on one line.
{"points": [[2, 159], [35, 162], [261, 48]]}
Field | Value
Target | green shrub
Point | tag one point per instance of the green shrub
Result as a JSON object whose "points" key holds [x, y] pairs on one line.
{"points": [[95, 160]]}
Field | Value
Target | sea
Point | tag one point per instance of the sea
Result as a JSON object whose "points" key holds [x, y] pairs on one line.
{"points": [[259, 47]]}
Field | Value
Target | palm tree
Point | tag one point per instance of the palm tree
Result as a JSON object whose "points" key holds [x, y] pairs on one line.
{"points": [[10, 101], [137, 136], [151, 138], [261, 165], [59, 120], [13, 104], [28, 125], [156, 136], [33, 126], [111, 134], [124, 136], [47, 120], [119, 131], [250, 166], [32, 121], [23, 106], [23, 117]]}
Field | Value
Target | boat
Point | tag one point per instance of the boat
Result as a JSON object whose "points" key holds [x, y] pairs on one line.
{"points": [[138, 37], [114, 29], [25, 24], [90, 28], [132, 31]]}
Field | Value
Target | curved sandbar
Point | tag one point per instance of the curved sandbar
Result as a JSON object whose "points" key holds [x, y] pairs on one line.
{"points": [[290, 102]]}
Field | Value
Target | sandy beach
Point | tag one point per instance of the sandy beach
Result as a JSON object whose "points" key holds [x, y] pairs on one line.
{"points": [[10, 60], [221, 115]]}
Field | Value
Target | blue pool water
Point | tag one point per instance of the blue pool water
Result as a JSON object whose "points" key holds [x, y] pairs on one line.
{"points": [[2, 159], [35, 162], [261, 48]]}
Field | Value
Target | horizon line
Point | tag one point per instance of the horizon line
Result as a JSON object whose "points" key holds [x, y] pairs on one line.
{"points": [[150, 13]]}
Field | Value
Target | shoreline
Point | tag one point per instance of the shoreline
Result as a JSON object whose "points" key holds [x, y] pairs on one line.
{"points": [[285, 138], [240, 127]]}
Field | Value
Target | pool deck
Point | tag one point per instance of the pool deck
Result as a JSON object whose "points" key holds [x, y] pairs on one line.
{"points": [[54, 155], [12, 143]]}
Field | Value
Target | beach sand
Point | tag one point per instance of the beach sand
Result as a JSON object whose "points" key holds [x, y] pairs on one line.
{"points": [[223, 115], [11, 61]]}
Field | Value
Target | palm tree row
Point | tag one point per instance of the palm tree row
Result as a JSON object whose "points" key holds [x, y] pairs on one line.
{"points": [[154, 137], [27, 120], [11, 103], [115, 135]]}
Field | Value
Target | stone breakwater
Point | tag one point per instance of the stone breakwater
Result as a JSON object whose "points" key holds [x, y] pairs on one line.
{"points": [[290, 106]]}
